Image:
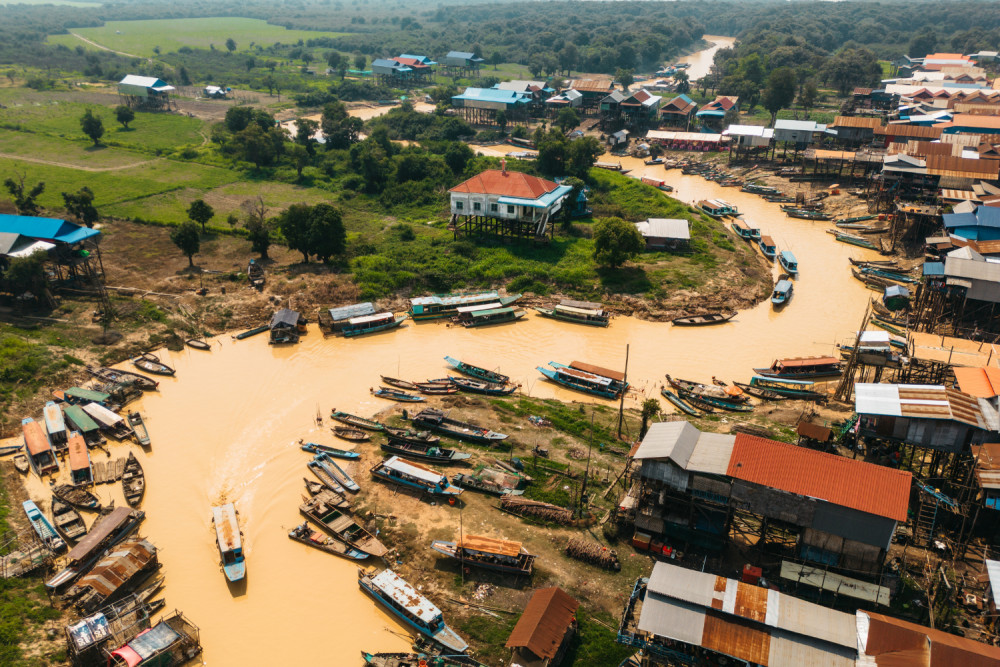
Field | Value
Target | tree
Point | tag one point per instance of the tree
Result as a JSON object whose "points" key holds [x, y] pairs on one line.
{"points": [[650, 408], [339, 128], [230, 44], [24, 200], [294, 223], [200, 212], [457, 156], [257, 225], [305, 131], [496, 58], [683, 82], [500, 118], [327, 236], [615, 242], [567, 119], [299, 155], [807, 98], [779, 93], [92, 126], [186, 238], [251, 63], [269, 83], [625, 77], [568, 58], [360, 61], [569, 203], [27, 274], [922, 44], [81, 206], [536, 66], [581, 154], [124, 115], [851, 68]]}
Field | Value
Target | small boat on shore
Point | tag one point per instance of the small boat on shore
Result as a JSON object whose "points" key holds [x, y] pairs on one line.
{"points": [[477, 372], [395, 395], [409, 435], [727, 393], [334, 469], [330, 451], [138, 428], [701, 400], [341, 525], [798, 368], [133, 481], [678, 402], [230, 541], [252, 332], [46, 533], [408, 605], [483, 387], [431, 453], [488, 553], [782, 293], [435, 389], [332, 476], [485, 484], [801, 389], [788, 262], [803, 214], [198, 344], [352, 434], [586, 378], [304, 534], [119, 376], [151, 364], [768, 247], [12, 449], [756, 189], [414, 475], [67, 520], [436, 420], [399, 384], [77, 496], [760, 392], [702, 320], [354, 420], [577, 312], [21, 463]]}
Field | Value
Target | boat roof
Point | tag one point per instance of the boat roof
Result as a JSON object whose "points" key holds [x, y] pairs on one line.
{"points": [[799, 362], [412, 469], [80, 419], [87, 394], [99, 532], [741, 224], [492, 311], [227, 529], [54, 421], [369, 318], [406, 596], [34, 437], [767, 240], [102, 414], [788, 256], [803, 383], [592, 305], [712, 203], [578, 311], [353, 310], [597, 370], [590, 377], [490, 545], [783, 286], [79, 459], [452, 299], [477, 307]]}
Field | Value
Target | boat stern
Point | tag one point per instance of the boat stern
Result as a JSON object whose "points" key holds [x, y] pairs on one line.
{"points": [[450, 639], [236, 572]]}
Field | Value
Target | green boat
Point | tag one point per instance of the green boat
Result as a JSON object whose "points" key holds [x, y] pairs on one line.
{"points": [[678, 403], [252, 332]]}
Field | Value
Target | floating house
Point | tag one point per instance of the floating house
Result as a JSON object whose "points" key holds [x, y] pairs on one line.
{"points": [[40, 454], [79, 460], [665, 233], [118, 573], [55, 425], [545, 629], [144, 92], [506, 204], [286, 326], [104, 534], [81, 422], [172, 641]]}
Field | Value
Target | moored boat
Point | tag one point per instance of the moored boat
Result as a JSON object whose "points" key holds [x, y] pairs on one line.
{"points": [[116, 375], [21, 463], [788, 262], [760, 392], [587, 378], [437, 389], [477, 372], [367, 324], [11, 449], [230, 541], [151, 364], [431, 453], [803, 214], [483, 387], [352, 434], [717, 208], [341, 525], [334, 469], [252, 332], [768, 247], [198, 344], [801, 389], [446, 305], [330, 451], [487, 484], [486, 315], [678, 402], [354, 420], [438, 421], [46, 533], [133, 481], [702, 320], [67, 520], [741, 229], [577, 312], [304, 534], [138, 428], [488, 553], [414, 475], [802, 368], [395, 395], [399, 384], [727, 393], [77, 496], [409, 435], [701, 400], [782, 293]]}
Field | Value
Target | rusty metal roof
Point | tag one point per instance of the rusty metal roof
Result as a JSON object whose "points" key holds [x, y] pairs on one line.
{"points": [[101, 530], [813, 431], [987, 457], [597, 370], [907, 130], [542, 626], [79, 459], [919, 401], [490, 545], [978, 382], [856, 121], [865, 487], [34, 437], [891, 641], [945, 165], [118, 567]]}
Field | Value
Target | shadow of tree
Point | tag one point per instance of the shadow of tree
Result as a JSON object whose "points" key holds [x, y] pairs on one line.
{"points": [[625, 279]]}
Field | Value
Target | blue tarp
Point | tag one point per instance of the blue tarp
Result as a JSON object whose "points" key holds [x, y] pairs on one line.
{"points": [[354, 310], [932, 269], [159, 637], [46, 229]]}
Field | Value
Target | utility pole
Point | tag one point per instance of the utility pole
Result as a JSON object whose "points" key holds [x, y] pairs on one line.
{"points": [[461, 544], [586, 474], [621, 404]]}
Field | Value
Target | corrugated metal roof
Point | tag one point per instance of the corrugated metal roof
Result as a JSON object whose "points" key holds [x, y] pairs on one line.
{"points": [[669, 440], [100, 531], [946, 165], [117, 568], [490, 545], [102, 415], [813, 431], [54, 422], [892, 641], [285, 317], [847, 482], [671, 618], [412, 469], [597, 370], [402, 592], [80, 419], [993, 572], [728, 636], [34, 437], [666, 228], [987, 457], [79, 459], [543, 624], [353, 310], [918, 401], [856, 121], [227, 528], [712, 453], [453, 299], [908, 130]]}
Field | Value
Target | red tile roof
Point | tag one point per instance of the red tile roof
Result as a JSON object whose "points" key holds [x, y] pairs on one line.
{"points": [[506, 184], [542, 626], [865, 487]]}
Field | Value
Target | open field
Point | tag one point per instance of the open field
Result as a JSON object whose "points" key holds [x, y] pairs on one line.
{"points": [[141, 37], [67, 3]]}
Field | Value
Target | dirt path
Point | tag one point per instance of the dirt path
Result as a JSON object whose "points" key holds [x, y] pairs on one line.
{"points": [[104, 48], [67, 165]]}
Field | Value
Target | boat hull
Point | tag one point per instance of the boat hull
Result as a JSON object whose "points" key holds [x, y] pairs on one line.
{"points": [[593, 391], [446, 637], [677, 402], [381, 327]]}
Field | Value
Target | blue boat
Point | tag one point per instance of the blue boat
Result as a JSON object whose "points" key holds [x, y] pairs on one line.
{"points": [[396, 395], [446, 305], [742, 229], [408, 605], [782, 293], [586, 378], [477, 372], [788, 262], [359, 326], [791, 388], [768, 247], [330, 451], [334, 469], [230, 539], [416, 476], [46, 533], [678, 402]]}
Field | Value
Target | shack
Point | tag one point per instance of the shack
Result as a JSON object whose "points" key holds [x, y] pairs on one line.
{"points": [[81, 422], [81, 396], [55, 425], [285, 326], [108, 421], [104, 534], [333, 320], [798, 132], [118, 573], [854, 130], [172, 641], [813, 434], [462, 61], [79, 460], [896, 297], [545, 629], [40, 454], [665, 233], [144, 92], [678, 112]]}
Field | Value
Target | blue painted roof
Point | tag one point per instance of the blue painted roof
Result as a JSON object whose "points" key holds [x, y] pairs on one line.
{"points": [[354, 310], [783, 286], [493, 95], [983, 216], [713, 114], [789, 257], [544, 201], [423, 59], [47, 229], [933, 268], [392, 64], [896, 290], [464, 54]]}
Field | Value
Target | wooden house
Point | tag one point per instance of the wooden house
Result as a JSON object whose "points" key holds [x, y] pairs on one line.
{"points": [[640, 109], [592, 90], [854, 130], [542, 635], [715, 111], [749, 136], [665, 233], [678, 112], [480, 105], [462, 61], [798, 132], [391, 72], [568, 98], [144, 92], [286, 326]]}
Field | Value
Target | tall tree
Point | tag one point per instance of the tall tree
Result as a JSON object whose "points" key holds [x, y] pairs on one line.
{"points": [[581, 154], [650, 408], [92, 126], [567, 119], [625, 76], [683, 82], [496, 58], [230, 44], [360, 61], [187, 238], [80, 205], [327, 236], [257, 225], [299, 155], [305, 133], [339, 128], [807, 98], [294, 223], [615, 242], [124, 115], [779, 93], [24, 197], [200, 212], [500, 118]]}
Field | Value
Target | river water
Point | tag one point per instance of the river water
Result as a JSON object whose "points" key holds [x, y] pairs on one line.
{"points": [[224, 430], [701, 61]]}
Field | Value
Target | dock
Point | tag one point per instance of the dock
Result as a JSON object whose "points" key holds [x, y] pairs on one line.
{"points": [[106, 472]]}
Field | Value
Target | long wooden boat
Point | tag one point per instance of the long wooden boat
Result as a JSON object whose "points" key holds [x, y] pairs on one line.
{"points": [[488, 553], [119, 376], [779, 199], [354, 420], [11, 449], [727, 394], [138, 428], [484, 387], [46, 533], [477, 372], [414, 475], [701, 400], [431, 453], [21, 463], [806, 215], [352, 434], [678, 402], [339, 473], [341, 525], [436, 420], [67, 520], [742, 229], [717, 208], [77, 496], [304, 534], [586, 378], [884, 263], [41, 456], [801, 389], [395, 395], [425, 438], [151, 364], [133, 481], [857, 218], [702, 320], [760, 392], [798, 368], [433, 389], [252, 332], [399, 384], [446, 305], [486, 315], [577, 312], [417, 659], [788, 262], [754, 188], [768, 248], [368, 324], [480, 483], [782, 293], [408, 605], [329, 451], [229, 538], [854, 240], [198, 344]]}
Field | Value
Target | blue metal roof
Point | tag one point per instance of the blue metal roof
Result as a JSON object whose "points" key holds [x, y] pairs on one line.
{"points": [[423, 59], [896, 290], [934, 268], [47, 229], [789, 257], [713, 114], [783, 286], [493, 95], [353, 310], [464, 54], [983, 216], [544, 201]]}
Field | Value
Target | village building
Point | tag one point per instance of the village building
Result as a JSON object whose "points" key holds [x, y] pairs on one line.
{"points": [[568, 98], [611, 111], [981, 224], [506, 204], [798, 132], [687, 141], [536, 90], [665, 233], [286, 326], [854, 130], [544, 631], [593, 90], [714, 112], [462, 62], [903, 132], [422, 67], [678, 112], [391, 72], [144, 92], [640, 109], [749, 138], [480, 105]]}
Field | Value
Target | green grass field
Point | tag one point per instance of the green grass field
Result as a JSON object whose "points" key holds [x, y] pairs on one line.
{"points": [[68, 3], [141, 37]]}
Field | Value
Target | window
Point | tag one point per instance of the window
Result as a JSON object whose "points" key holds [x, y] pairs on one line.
{"points": [[494, 208], [476, 206], [458, 205], [510, 209]]}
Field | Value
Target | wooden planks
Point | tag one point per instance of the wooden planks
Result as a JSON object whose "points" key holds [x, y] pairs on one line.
{"points": [[109, 471]]}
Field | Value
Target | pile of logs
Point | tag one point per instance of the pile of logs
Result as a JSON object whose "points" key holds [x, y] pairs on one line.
{"points": [[593, 553], [536, 510]]}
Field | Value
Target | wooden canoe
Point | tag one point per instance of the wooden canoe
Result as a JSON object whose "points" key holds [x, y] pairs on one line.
{"points": [[395, 395], [151, 364], [133, 481], [67, 520], [198, 344], [341, 525], [139, 428], [702, 320], [401, 384], [760, 392], [678, 402], [21, 463], [415, 437], [77, 496], [330, 451], [352, 434], [304, 534], [354, 420]]}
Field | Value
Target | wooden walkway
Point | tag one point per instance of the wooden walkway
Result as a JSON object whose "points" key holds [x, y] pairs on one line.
{"points": [[106, 472], [24, 560]]}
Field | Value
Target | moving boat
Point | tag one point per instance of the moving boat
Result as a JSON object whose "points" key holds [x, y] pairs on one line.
{"points": [[768, 247], [702, 320], [198, 344], [77, 496], [306, 535], [354, 420], [802, 367], [477, 372], [426, 452], [782, 293], [352, 434], [483, 387], [138, 428], [399, 384], [414, 475], [46, 533], [230, 540], [577, 312], [67, 520], [341, 525], [801, 389], [133, 481], [678, 402], [587, 378], [151, 364], [407, 604], [488, 553], [395, 395], [329, 451], [436, 420], [788, 262], [409, 435]]}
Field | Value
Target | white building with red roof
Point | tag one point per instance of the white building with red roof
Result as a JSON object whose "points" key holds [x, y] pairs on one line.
{"points": [[508, 195]]}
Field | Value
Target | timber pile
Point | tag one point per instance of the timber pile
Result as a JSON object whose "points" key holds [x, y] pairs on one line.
{"points": [[593, 553], [535, 509], [106, 472]]}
